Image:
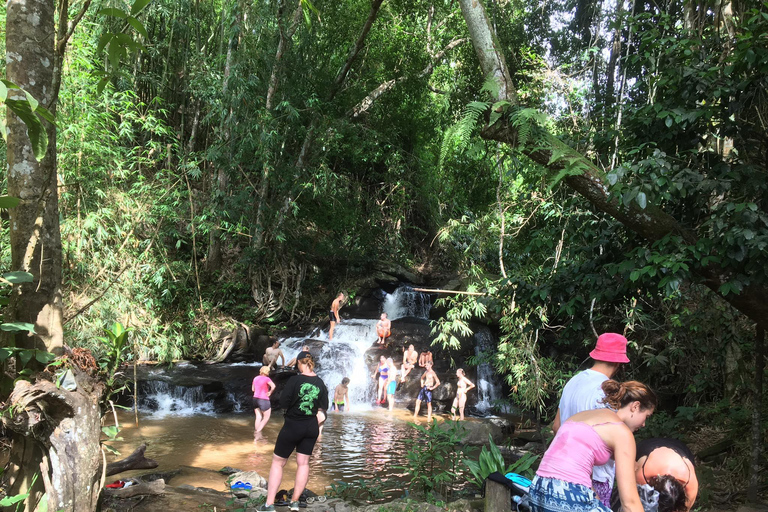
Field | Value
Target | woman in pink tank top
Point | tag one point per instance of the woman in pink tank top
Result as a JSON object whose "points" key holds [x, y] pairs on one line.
{"points": [[591, 438]]}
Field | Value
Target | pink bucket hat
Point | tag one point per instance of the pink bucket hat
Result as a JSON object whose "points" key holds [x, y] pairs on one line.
{"points": [[611, 347]]}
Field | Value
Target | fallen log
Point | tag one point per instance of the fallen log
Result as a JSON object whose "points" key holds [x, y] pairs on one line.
{"points": [[140, 489], [136, 460]]}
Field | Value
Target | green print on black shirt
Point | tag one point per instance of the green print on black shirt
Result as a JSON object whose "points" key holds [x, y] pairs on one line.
{"points": [[308, 393]]}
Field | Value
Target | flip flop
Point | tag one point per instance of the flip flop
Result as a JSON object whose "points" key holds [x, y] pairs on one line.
{"points": [[240, 485]]}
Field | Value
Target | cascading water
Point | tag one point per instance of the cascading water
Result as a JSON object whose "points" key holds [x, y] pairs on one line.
{"points": [[405, 301], [488, 385], [344, 356], [161, 399]]}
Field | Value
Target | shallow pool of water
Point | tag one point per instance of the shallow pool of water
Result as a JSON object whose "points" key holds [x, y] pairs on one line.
{"points": [[361, 444]]}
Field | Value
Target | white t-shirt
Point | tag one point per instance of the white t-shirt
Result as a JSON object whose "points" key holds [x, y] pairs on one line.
{"points": [[584, 393]]}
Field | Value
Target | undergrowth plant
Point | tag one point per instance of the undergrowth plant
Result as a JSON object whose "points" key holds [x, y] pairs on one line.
{"points": [[434, 460], [491, 461]]}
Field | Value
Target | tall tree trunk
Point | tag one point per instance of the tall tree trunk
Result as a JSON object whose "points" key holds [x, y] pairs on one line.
{"points": [[757, 423], [652, 223], [35, 235]]}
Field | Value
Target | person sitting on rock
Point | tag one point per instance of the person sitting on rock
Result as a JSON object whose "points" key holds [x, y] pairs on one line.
{"points": [[425, 357], [292, 362], [383, 329], [410, 358], [272, 354]]}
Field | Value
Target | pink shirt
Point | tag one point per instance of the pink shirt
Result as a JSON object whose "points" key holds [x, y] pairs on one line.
{"points": [[577, 447], [261, 387]]}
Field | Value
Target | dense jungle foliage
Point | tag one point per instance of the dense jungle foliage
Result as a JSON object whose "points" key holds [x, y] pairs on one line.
{"points": [[225, 161]]}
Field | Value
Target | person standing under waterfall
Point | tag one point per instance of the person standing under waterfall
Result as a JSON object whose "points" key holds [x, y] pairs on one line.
{"points": [[383, 329], [584, 392], [341, 396], [429, 381], [383, 371], [410, 358], [305, 400], [334, 314], [462, 386], [262, 388], [392, 383]]}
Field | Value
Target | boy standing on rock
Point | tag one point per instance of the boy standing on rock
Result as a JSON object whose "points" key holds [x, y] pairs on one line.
{"points": [[429, 381]]}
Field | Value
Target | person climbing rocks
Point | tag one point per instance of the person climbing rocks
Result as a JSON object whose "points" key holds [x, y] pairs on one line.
{"points": [[334, 313]]}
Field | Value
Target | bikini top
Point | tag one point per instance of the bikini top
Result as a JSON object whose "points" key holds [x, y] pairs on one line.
{"points": [[647, 447], [383, 371]]}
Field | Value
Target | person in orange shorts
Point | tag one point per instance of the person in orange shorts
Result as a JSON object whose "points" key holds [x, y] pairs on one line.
{"points": [[383, 329], [667, 466]]}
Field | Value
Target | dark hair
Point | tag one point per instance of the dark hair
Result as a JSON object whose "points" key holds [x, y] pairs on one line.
{"points": [[619, 394], [345, 380], [671, 493], [307, 360]]}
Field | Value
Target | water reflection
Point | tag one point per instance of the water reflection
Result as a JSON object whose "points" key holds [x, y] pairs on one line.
{"points": [[361, 444]]}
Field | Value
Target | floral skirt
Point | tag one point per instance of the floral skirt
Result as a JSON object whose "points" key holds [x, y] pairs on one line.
{"points": [[552, 495]]}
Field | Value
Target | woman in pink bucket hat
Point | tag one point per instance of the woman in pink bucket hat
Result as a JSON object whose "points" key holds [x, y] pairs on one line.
{"points": [[584, 393]]}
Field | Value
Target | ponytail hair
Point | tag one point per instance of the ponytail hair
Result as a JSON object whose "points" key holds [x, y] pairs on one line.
{"points": [[308, 360], [619, 394], [671, 493]]}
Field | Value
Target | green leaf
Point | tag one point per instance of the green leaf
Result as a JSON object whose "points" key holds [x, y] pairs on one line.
{"points": [[642, 200], [104, 40], [111, 11], [138, 6], [668, 121], [3, 91], [44, 357], [9, 202], [35, 129], [26, 356], [18, 276], [138, 27], [33, 103], [17, 326], [5, 353]]}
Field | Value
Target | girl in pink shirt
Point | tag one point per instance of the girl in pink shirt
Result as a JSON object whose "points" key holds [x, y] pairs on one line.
{"points": [[591, 438], [262, 388]]}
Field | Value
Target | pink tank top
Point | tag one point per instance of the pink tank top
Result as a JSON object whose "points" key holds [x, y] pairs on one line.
{"points": [[261, 387], [577, 447]]}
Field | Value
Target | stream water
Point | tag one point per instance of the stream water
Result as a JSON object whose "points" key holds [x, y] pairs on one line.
{"points": [[183, 431], [361, 444]]}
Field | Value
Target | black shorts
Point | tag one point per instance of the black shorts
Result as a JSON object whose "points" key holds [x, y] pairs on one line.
{"points": [[261, 403], [299, 435], [332, 316]]}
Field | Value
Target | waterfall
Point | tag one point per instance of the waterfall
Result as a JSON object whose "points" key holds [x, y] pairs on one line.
{"points": [[406, 302], [344, 356], [161, 399], [488, 385]]}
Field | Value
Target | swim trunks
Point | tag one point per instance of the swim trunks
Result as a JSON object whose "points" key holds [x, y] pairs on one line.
{"points": [[332, 316], [391, 387], [339, 406], [425, 395], [262, 404], [383, 333]]}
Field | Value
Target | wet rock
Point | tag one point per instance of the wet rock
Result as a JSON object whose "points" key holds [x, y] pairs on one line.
{"points": [[477, 431], [248, 477]]}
